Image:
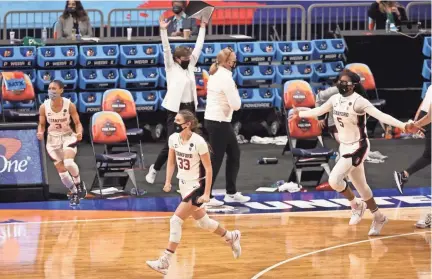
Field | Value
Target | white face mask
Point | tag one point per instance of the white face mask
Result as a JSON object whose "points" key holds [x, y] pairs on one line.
{"points": [[53, 95]]}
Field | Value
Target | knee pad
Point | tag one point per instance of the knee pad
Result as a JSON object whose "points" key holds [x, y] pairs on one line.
{"points": [[68, 162], [175, 229], [208, 224], [337, 182]]}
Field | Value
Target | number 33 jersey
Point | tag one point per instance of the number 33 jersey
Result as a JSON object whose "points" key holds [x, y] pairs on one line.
{"points": [[349, 117], [187, 156], [59, 122]]}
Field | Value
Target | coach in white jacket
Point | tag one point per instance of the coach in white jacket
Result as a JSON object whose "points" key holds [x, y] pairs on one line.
{"points": [[222, 100], [181, 87]]}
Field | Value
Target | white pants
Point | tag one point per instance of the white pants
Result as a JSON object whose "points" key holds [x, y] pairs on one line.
{"points": [[56, 145], [351, 164]]}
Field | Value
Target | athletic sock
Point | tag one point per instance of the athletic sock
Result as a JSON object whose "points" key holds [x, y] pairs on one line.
{"points": [[355, 203], [377, 214], [227, 236]]}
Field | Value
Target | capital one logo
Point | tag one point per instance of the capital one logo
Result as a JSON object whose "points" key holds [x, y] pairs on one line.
{"points": [[8, 148]]}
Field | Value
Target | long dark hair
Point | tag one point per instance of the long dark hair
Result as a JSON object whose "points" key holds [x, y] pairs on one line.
{"points": [[79, 13]]}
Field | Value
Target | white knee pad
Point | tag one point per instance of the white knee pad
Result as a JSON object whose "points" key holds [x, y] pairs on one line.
{"points": [[68, 163], [208, 224], [337, 182], [175, 229]]}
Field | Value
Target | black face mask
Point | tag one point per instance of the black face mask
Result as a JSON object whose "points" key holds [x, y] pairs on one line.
{"points": [[184, 64], [177, 10], [343, 89], [234, 65], [71, 10], [178, 127]]}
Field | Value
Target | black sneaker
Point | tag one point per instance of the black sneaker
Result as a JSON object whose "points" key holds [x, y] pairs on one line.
{"points": [[81, 190], [74, 200], [400, 179]]}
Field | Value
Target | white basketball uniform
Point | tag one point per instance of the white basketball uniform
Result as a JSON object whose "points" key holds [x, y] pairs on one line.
{"points": [[191, 173], [60, 133], [350, 120]]}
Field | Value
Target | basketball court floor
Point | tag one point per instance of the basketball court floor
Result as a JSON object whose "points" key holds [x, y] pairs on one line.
{"points": [[301, 235]]}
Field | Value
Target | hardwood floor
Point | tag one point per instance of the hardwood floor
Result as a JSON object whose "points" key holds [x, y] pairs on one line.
{"points": [[305, 245]]}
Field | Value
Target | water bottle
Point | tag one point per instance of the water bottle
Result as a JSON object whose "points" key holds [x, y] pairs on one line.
{"points": [[278, 184], [387, 26], [44, 35], [268, 161]]}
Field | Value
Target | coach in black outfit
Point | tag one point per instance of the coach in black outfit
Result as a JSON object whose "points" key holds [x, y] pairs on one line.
{"points": [[222, 99], [181, 87]]}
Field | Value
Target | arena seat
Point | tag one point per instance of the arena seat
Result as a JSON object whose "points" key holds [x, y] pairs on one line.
{"points": [[18, 99], [122, 102], [112, 170], [309, 163], [99, 55], [368, 83], [139, 55], [68, 77]]}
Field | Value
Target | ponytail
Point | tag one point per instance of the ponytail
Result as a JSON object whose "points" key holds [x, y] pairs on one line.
{"points": [[213, 68]]}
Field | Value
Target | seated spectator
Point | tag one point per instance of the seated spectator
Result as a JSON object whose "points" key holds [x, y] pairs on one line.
{"points": [[73, 17], [380, 11], [179, 23]]}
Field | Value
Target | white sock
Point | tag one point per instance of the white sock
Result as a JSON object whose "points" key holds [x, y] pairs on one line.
{"points": [[378, 214], [73, 169], [228, 235], [67, 180], [355, 203], [168, 254]]}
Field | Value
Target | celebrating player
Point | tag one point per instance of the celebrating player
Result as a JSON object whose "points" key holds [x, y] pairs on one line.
{"points": [[349, 113], [62, 141], [191, 153]]}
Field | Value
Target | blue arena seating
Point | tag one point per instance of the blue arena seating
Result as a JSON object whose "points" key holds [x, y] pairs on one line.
{"points": [[17, 57], [68, 77], [427, 47], [97, 79], [328, 50], [53, 57], [139, 55], [295, 51], [89, 102], [140, 68], [426, 72], [99, 56]]}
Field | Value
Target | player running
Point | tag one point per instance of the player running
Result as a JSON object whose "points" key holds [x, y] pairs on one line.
{"points": [[191, 153], [62, 142]]}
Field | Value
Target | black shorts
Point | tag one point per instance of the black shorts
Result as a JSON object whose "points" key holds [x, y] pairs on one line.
{"points": [[195, 194]]}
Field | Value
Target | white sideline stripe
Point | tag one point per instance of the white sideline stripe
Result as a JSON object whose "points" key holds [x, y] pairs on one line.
{"points": [[134, 218], [258, 275]]}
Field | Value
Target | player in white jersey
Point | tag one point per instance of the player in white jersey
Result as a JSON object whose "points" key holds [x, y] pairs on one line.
{"points": [[191, 153], [62, 141], [349, 114]]}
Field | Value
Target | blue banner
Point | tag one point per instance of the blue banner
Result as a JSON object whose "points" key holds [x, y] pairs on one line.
{"points": [[20, 158]]}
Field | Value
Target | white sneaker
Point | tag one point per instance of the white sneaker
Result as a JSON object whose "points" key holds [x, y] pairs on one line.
{"points": [[424, 222], [377, 155], [377, 226], [214, 203], [160, 265], [237, 197], [151, 176], [357, 214], [235, 243]]}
